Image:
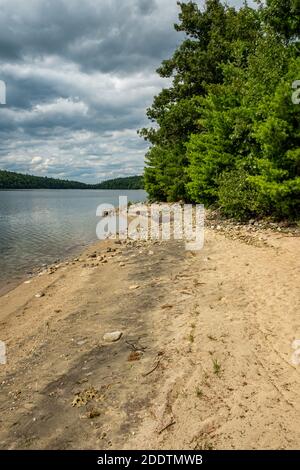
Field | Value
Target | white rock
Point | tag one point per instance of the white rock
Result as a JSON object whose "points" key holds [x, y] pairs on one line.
{"points": [[112, 337], [39, 294], [134, 287]]}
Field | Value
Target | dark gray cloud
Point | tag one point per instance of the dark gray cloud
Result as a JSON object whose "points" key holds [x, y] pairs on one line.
{"points": [[104, 35], [79, 77]]}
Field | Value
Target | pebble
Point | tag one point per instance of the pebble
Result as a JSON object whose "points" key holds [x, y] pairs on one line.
{"points": [[112, 337], [39, 294]]}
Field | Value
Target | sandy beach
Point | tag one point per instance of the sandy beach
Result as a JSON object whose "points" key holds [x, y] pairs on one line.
{"points": [[203, 362]]}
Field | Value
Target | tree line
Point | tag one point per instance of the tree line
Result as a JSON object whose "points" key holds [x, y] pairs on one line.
{"points": [[226, 132], [129, 182], [12, 180]]}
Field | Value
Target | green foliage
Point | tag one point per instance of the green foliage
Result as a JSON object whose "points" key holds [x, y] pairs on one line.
{"points": [[237, 196], [284, 17], [165, 177], [129, 182], [211, 35], [235, 141]]}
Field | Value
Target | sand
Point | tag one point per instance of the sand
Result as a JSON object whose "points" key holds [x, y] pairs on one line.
{"points": [[204, 360]]}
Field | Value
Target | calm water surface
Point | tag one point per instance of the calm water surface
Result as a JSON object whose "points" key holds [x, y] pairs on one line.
{"points": [[40, 226]]}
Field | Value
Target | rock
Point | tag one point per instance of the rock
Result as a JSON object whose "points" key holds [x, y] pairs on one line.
{"points": [[39, 295], [122, 265], [134, 287], [28, 406], [112, 337], [150, 253]]}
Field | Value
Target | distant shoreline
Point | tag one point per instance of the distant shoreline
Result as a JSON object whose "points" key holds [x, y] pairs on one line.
{"points": [[70, 189], [12, 180]]}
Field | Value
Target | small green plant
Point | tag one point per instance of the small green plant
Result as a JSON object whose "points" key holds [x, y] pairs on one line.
{"points": [[216, 367]]}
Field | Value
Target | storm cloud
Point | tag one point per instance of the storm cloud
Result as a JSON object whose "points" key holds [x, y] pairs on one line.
{"points": [[79, 77]]}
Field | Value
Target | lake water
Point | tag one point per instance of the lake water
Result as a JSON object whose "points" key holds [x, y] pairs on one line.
{"points": [[40, 226]]}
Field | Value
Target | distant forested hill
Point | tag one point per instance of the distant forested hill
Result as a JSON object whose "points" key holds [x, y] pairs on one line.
{"points": [[131, 182], [12, 180]]}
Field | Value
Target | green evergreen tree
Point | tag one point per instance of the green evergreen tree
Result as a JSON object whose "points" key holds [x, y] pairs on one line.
{"points": [[210, 35]]}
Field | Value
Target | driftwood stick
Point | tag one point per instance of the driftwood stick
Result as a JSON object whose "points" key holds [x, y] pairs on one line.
{"points": [[136, 348], [166, 427], [152, 370]]}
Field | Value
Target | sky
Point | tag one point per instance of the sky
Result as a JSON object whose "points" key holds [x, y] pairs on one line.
{"points": [[79, 77]]}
